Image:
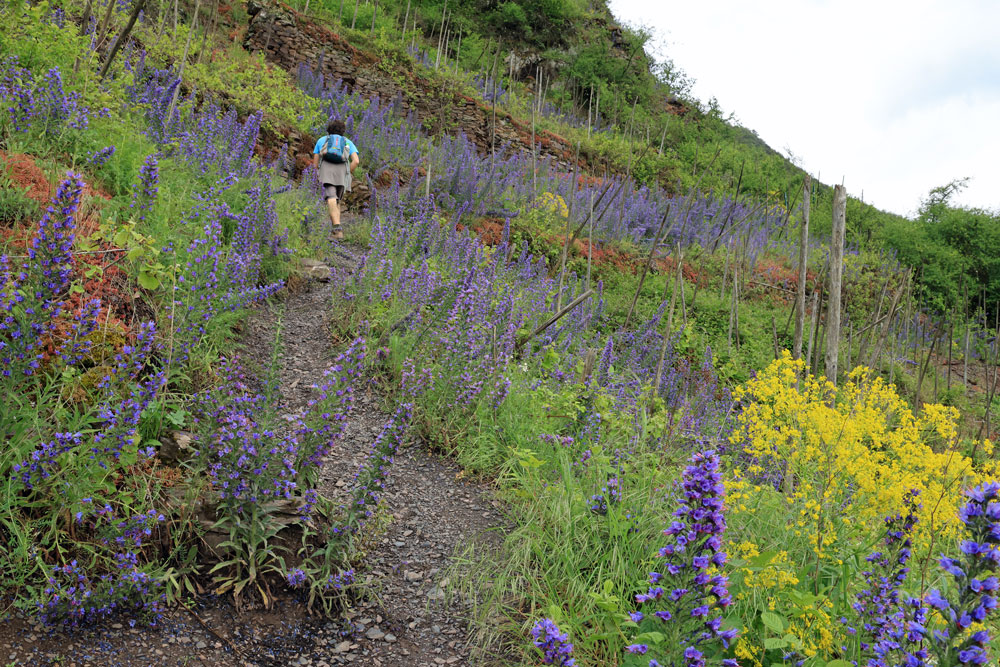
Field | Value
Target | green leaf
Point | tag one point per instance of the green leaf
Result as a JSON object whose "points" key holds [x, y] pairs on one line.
{"points": [[774, 643], [838, 663], [772, 621], [649, 638], [148, 280], [761, 559]]}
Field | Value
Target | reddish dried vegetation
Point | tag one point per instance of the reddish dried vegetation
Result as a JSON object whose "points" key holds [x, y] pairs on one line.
{"points": [[98, 274]]}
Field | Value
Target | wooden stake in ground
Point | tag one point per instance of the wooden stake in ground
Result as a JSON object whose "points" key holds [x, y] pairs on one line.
{"points": [[211, 27], [951, 343], [555, 318], [670, 321], [887, 321], [836, 274], [774, 336], [850, 346], [590, 110], [101, 33], [85, 24], [800, 292], [734, 318], [657, 240], [123, 35], [814, 322], [597, 110], [180, 74], [493, 125], [571, 193], [917, 405], [590, 237], [444, 17], [534, 149]]}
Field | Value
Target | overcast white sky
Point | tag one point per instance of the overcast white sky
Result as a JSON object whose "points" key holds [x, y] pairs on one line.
{"points": [[892, 97]]}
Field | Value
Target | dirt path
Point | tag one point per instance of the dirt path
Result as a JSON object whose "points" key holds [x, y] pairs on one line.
{"points": [[432, 511], [410, 619]]}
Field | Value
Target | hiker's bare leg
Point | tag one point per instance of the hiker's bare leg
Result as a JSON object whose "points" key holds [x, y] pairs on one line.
{"points": [[334, 205]]}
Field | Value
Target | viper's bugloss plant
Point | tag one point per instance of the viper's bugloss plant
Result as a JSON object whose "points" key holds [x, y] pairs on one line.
{"points": [[145, 191], [880, 619], [681, 622], [950, 626], [553, 644], [31, 299], [99, 157]]}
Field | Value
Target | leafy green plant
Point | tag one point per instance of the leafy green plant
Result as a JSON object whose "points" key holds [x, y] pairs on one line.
{"points": [[15, 205]]}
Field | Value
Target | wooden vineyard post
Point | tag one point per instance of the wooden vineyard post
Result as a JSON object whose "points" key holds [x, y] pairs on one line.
{"points": [[85, 25], [951, 342], [180, 74], [101, 32], [571, 193], [590, 237], [597, 110], [734, 318], [725, 273], [774, 337], [645, 269], [850, 344], [211, 28], [123, 35], [590, 110], [812, 330], [534, 148], [836, 274], [965, 364], [670, 321], [800, 292], [917, 406]]}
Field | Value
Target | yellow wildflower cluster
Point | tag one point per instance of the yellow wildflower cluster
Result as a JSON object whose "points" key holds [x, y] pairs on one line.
{"points": [[842, 460], [554, 204], [772, 574]]}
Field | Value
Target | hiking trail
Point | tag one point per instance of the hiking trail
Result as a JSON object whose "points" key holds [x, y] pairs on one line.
{"points": [[410, 617]]}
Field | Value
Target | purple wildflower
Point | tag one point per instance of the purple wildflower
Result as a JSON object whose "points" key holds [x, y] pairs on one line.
{"points": [[553, 643]]}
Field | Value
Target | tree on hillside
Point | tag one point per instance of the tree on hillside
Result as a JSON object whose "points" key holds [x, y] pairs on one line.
{"points": [[954, 249]]}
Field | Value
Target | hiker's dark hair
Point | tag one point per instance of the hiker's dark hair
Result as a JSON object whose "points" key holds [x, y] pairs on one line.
{"points": [[336, 126]]}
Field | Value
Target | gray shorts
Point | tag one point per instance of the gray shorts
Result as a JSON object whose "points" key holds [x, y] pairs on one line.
{"points": [[335, 192]]}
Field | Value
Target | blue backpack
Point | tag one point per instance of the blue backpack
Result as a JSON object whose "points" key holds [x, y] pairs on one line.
{"points": [[336, 149]]}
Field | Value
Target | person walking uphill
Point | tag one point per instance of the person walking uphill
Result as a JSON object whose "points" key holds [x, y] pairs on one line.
{"points": [[335, 158]]}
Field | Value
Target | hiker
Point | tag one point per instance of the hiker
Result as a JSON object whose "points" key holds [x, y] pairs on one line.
{"points": [[335, 158]]}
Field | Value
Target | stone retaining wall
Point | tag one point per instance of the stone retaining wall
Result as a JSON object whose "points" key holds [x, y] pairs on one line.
{"points": [[288, 39]]}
